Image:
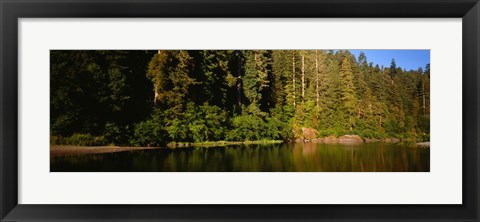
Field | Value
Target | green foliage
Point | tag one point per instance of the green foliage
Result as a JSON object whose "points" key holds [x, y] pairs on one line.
{"points": [[170, 71], [393, 67], [246, 128], [205, 123], [78, 139], [152, 98], [90, 88], [114, 134], [250, 127], [151, 132], [278, 129]]}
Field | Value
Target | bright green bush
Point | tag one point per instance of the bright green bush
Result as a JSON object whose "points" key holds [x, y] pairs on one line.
{"points": [[151, 132], [206, 123], [246, 127], [250, 127], [278, 130]]}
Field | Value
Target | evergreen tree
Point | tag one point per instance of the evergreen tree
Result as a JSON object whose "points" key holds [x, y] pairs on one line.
{"points": [[393, 67], [347, 96]]}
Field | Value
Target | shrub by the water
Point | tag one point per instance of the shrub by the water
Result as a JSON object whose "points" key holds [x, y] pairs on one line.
{"points": [[78, 139]]}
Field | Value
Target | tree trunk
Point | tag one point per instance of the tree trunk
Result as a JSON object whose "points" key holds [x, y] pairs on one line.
{"points": [[293, 78], [155, 88], [423, 97], [316, 75], [303, 77], [239, 81]]}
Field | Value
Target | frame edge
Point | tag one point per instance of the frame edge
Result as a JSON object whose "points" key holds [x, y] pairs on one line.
{"points": [[9, 112]]}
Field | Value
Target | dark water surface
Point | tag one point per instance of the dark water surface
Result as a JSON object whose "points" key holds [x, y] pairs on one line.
{"points": [[297, 157]]}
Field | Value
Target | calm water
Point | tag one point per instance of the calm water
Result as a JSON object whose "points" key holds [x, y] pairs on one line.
{"points": [[296, 157]]}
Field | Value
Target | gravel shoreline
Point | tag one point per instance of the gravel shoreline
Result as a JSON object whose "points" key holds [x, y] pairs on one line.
{"points": [[424, 144], [69, 150]]}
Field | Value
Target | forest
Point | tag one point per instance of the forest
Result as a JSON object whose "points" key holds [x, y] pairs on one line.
{"points": [[155, 97]]}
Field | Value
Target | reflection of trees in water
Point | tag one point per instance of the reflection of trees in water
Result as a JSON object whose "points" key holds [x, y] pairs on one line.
{"points": [[359, 157], [308, 157]]}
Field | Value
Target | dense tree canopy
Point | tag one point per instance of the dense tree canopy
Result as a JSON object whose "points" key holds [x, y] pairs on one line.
{"points": [[154, 97]]}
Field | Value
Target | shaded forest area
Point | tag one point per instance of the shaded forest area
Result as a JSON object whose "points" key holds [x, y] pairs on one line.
{"points": [[151, 98]]}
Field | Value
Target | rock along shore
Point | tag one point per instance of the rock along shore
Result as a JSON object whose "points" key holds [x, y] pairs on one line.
{"points": [[309, 135]]}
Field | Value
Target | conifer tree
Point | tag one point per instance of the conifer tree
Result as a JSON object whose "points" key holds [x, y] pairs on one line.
{"points": [[393, 67], [348, 98]]}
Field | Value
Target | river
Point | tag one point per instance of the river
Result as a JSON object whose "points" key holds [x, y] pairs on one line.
{"points": [[288, 157]]}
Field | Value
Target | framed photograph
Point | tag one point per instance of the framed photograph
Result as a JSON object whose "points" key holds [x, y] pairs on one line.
{"points": [[225, 110]]}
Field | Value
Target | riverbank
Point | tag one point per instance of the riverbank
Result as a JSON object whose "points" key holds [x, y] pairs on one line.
{"points": [[356, 139], [70, 150], [311, 135], [221, 143], [423, 145]]}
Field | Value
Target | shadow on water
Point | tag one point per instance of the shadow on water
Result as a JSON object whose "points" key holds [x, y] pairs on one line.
{"points": [[295, 157]]}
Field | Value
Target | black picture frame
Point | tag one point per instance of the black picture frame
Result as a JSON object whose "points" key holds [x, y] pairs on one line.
{"points": [[11, 11]]}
